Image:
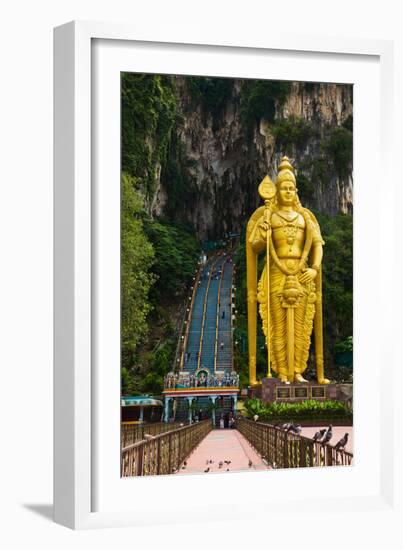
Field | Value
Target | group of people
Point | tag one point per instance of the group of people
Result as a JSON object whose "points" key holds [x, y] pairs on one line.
{"points": [[227, 420]]}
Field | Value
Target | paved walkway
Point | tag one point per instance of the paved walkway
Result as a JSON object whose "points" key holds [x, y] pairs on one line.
{"points": [[221, 445]]}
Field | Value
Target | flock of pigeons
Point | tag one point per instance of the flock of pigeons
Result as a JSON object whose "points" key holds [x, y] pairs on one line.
{"points": [[322, 436]]}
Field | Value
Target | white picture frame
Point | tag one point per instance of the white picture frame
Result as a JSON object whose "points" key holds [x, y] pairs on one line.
{"points": [[88, 491]]}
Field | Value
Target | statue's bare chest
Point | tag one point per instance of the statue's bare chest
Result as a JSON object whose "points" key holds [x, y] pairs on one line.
{"points": [[288, 231]]}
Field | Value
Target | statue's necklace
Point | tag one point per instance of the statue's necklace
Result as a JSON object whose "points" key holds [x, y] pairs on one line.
{"points": [[290, 227]]}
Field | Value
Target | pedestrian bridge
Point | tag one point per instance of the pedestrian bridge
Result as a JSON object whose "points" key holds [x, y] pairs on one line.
{"points": [[165, 448]]}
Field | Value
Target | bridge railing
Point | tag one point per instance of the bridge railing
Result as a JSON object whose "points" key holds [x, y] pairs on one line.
{"points": [[282, 449], [164, 453], [132, 433]]}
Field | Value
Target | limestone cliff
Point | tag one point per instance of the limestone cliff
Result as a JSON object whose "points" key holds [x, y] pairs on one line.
{"points": [[221, 156]]}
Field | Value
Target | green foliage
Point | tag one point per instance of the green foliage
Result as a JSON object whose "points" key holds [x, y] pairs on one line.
{"points": [[305, 188], [176, 251], [348, 123], [149, 110], [259, 99], [178, 180], [212, 94], [291, 132], [320, 170], [137, 257], [304, 410], [152, 383], [345, 345], [337, 289], [128, 382], [340, 148], [163, 357]]}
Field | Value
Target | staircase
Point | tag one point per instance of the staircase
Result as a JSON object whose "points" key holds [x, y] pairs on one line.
{"points": [[206, 365]]}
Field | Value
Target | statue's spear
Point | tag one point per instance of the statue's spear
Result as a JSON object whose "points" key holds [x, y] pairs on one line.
{"points": [[267, 191]]}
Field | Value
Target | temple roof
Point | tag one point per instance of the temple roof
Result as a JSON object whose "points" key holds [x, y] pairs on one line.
{"points": [[140, 401]]}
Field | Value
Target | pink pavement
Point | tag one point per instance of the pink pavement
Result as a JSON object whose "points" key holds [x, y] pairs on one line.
{"points": [[220, 445]]}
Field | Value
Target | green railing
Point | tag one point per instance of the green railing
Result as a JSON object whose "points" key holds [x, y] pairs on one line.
{"points": [[132, 433], [164, 453], [282, 449]]}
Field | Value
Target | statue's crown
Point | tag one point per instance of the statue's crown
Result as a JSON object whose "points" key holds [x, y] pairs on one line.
{"points": [[285, 172]]}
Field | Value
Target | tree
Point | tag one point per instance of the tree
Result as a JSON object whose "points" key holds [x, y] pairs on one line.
{"points": [[137, 257]]}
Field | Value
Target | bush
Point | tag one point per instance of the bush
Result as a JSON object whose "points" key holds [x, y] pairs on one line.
{"points": [[176, 252], [259, 98], [290, 132], [137, 257], [305, 410], [340, 148]]}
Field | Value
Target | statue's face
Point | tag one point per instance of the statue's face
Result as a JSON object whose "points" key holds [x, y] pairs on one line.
{"points": [[286, 193]]}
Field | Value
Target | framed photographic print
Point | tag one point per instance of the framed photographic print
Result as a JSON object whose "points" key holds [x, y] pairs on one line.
{"points": [[208, 199]]}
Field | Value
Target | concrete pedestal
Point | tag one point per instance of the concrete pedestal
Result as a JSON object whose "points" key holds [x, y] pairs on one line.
{"points": [[272, 390]]}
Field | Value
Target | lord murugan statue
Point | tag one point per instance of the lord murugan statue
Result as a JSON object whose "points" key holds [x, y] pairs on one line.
{"points": [[289, 292]]}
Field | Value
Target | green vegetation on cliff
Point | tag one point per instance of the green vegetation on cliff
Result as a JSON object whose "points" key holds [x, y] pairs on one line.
{"points": [[158, 256], [157, 264], [137, 258], [291, 132], [212, 94], [148, 115], [340, 148], [259, 99]]}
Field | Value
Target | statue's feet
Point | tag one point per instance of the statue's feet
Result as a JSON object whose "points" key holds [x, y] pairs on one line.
{"points": [[283, 378], [323, 381], [300, 378]]}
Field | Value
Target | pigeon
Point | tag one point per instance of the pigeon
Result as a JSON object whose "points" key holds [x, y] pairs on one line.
{"points": [[342, 443], [328, 435], [183, 467], [295, 428], [185, 463], [211, 461], [227, 461], [227, 469], [250, 463], [318, 436], [206, 470], [220, 464]]}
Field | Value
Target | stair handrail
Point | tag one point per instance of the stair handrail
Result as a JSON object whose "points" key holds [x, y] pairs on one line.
{"points": [[204, 313], [218, 317], [189, 319], [232, 322]]}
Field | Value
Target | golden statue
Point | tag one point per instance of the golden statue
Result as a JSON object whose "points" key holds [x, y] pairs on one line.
{"points": [[289, 292]]}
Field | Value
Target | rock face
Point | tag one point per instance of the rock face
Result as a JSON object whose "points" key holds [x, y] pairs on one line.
{"points": [[226, 158]]}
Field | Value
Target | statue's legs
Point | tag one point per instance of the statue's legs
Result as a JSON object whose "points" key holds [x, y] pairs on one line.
{"points": [[304, 315], [302, 320]]}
